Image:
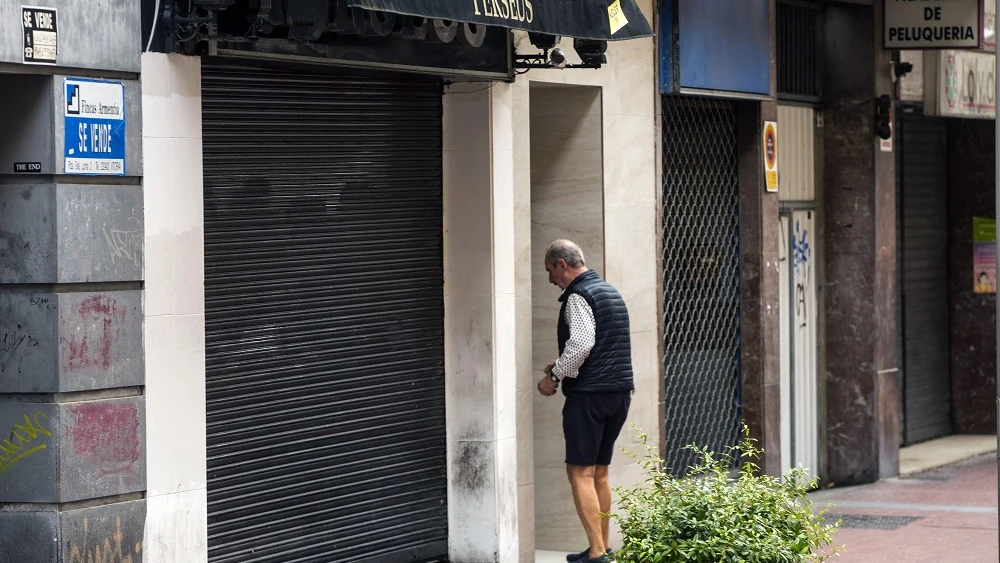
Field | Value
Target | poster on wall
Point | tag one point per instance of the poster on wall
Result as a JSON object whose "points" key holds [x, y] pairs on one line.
{"points": [[41, 35], [94, 122], [960, 84], [984, 256]]}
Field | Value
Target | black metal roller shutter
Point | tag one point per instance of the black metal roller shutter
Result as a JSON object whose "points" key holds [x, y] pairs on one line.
{"points": [[924, 279], [324, 317]]}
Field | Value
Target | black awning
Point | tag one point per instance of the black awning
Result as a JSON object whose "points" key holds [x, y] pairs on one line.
{"points": [[610, 20]]}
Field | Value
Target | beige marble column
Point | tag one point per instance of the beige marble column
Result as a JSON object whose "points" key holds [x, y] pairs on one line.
{"points": [[479, 323]]}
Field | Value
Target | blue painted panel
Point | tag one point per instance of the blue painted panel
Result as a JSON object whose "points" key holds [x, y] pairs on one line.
{"points": [[723, 45], [665, 41]]}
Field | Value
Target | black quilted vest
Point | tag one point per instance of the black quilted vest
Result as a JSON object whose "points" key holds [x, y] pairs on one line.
{"points": [[609, 367]]}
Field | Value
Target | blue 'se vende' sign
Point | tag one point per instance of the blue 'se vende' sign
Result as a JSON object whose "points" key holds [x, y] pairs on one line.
{"points": [[95, 127]]}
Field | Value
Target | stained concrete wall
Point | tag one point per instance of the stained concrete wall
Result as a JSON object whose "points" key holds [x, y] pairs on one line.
{"points": [[70, 233], [65, 452], [72, 360], [35, 111], [95, 34], [63, 342], [479, 330], [110, 533]]}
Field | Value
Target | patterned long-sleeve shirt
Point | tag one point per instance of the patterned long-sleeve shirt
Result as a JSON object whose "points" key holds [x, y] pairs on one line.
{"points": [[582, 336]]}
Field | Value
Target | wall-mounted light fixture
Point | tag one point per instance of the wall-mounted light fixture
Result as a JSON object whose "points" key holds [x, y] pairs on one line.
{"points": [[591, 52], [900, 69], [883, 117]]}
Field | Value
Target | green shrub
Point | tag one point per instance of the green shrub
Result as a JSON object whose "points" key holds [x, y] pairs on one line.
{"points": [[709, 517]]}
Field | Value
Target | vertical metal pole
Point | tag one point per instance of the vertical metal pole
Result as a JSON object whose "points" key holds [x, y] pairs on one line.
{"points": [[996, 189]]}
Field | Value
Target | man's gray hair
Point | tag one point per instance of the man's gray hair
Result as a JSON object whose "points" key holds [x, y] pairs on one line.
{"points": [[565, 250]]}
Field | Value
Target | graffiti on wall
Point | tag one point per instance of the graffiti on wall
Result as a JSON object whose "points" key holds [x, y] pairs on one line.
{"points": [[802, 264], [112, 549], [94, 345], [106, 436], [24, 439], [125, 245], [13, 348]]}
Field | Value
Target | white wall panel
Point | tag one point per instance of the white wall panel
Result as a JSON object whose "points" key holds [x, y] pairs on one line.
{"points": [[796, 153]]}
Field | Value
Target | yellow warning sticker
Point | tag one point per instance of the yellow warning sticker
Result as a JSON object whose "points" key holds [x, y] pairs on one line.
{"points": [[616, 17], [771, 155]]}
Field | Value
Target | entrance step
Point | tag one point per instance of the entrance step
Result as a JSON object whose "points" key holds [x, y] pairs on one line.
{"points": [[933, 454]]}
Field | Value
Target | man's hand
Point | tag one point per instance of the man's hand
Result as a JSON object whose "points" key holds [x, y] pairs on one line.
{"points": [[546, 386]]}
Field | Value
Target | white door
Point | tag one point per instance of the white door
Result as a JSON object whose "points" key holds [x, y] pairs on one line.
{"points": [[803, 329], [798, 332], [798, 293]]}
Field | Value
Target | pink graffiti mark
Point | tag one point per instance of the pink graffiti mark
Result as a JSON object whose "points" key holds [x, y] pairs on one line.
{"points": [[101, 318], [108, 436]]}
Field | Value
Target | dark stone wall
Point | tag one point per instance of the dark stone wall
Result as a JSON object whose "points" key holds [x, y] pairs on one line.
{"points": [[759, 293], [861, 370], [760, 336], [971, 178]]}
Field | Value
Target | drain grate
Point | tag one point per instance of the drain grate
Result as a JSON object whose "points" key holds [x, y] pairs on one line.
{"points": [[871, 522]]}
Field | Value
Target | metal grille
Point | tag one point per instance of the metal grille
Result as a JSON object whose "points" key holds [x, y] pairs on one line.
{"points": [[799, 48], [870, 521], [700, 276], [324, 317]]}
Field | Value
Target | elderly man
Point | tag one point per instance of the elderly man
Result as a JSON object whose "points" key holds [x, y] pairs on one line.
{"points": [[595, 370]]}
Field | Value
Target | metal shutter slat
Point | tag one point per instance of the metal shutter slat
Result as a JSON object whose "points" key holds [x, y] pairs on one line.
{"points": [[924, 280], [324, 317]]}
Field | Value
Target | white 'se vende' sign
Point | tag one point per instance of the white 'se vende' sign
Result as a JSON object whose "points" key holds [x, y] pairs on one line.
{"points": [[932, 24]]}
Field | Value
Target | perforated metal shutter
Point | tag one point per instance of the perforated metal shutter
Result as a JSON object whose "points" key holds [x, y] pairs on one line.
{"points": [[324, 317], [924, 280], [799, 50], [701, 277]]}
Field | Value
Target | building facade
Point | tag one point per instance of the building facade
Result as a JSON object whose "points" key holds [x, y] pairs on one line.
{"points": [[946, 161]]}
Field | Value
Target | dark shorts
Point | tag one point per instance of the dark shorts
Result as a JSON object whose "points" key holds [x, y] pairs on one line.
{"points": [[591, 424]]}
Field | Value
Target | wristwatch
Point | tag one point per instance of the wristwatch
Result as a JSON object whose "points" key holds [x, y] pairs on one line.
{"points": [[554, 378]]}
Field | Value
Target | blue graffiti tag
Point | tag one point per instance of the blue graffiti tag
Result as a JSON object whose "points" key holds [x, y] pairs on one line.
{"points": [[800, 246]]}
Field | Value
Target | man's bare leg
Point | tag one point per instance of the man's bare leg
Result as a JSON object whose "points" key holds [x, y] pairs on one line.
{"points": [[603, 486], [588, 506]]}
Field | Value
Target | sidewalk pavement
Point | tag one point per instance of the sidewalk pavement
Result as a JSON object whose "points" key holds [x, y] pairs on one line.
{"points": [[941, 515]]}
